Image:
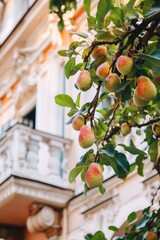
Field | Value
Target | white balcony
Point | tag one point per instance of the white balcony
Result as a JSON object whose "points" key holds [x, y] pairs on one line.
{"points": [[34, 155]]}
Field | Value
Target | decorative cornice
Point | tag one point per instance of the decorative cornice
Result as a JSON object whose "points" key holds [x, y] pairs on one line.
{"points": [[41, 192]]}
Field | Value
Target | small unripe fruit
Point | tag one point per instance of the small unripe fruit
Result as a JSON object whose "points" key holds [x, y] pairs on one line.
{"points": [[156, 129], [94, 176], [124, 65], [151, 236], [137, 101], [78, 122], [103, 70], [146, 90], [112, 82], [86, 137], [125, 129], [99, 51], [84, 81]]}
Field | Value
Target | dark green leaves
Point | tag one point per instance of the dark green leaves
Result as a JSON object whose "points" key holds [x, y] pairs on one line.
{"points": [[69, 67], [74, 173], [122, 165], [132, 149], [87, 6], [99, 236], [132, 217], [113, 228], [104, 6], [109, 150], [102, 189], [153, 60], [65, 100], [116, 160]]}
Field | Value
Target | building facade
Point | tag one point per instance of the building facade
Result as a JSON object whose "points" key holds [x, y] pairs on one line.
{"points": [[37, 149]]}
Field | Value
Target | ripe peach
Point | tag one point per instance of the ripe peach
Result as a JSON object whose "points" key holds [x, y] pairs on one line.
{"points": [[112, 82], [151, 235], [156, 129], [137, 101], [86, 137], [84, 81], [78, 122], [99, 51], [146, 90], [124, 65], [125, 129], [94, 176], [103, 70]]}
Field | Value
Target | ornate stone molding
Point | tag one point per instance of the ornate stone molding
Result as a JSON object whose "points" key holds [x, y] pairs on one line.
{"points": [[45, 193], [22, 153]]}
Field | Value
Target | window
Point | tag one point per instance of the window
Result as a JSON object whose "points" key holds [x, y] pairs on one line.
{"points": [[30, 118]]}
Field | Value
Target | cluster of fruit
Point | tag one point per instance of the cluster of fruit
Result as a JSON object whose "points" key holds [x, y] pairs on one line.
{"points": [[144, 91]]}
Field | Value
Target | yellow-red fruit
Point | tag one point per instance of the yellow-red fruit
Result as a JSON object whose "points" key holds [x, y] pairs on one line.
{"points": [[84, 81], [94, 176], [146, 90], [112, 82], [151, 236], [103, 70], [156, 79], [156, 129], [137, 101], [86, 137], [124, 65], [99, 51], [78, 122], [125, 129]]}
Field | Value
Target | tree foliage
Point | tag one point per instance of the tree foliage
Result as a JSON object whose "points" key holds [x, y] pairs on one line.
{"points": [[132, 30]]}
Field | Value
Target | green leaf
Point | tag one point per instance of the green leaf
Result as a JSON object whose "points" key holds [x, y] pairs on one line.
{"points": [[109, 150], [99, 236], [69, 67], [117, 16], [122, 165], [88, 157], [132, 217], [113, 228], [65, 100], [122, 86], [87, 6], [91, 22], [85, 189], [71, 113], [63, 53], [133, 150], [147, 5], [102, 189], [108, 161], [153, 151], [83, 173], [126, 94], [155, 7], [78, 99], [153, 60], [140, 164], [88, 237], [104, 6], [105, 35], [82, 35], [74, 173]]}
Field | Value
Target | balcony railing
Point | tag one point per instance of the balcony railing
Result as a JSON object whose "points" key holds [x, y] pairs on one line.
{"points": [[35, 155]]}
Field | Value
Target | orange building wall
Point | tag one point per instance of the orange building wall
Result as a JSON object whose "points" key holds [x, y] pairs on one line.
{"points": [[38, 236]]}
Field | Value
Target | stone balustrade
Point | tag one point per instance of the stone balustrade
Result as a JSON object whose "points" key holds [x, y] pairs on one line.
{"points": [[32, 154]]}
